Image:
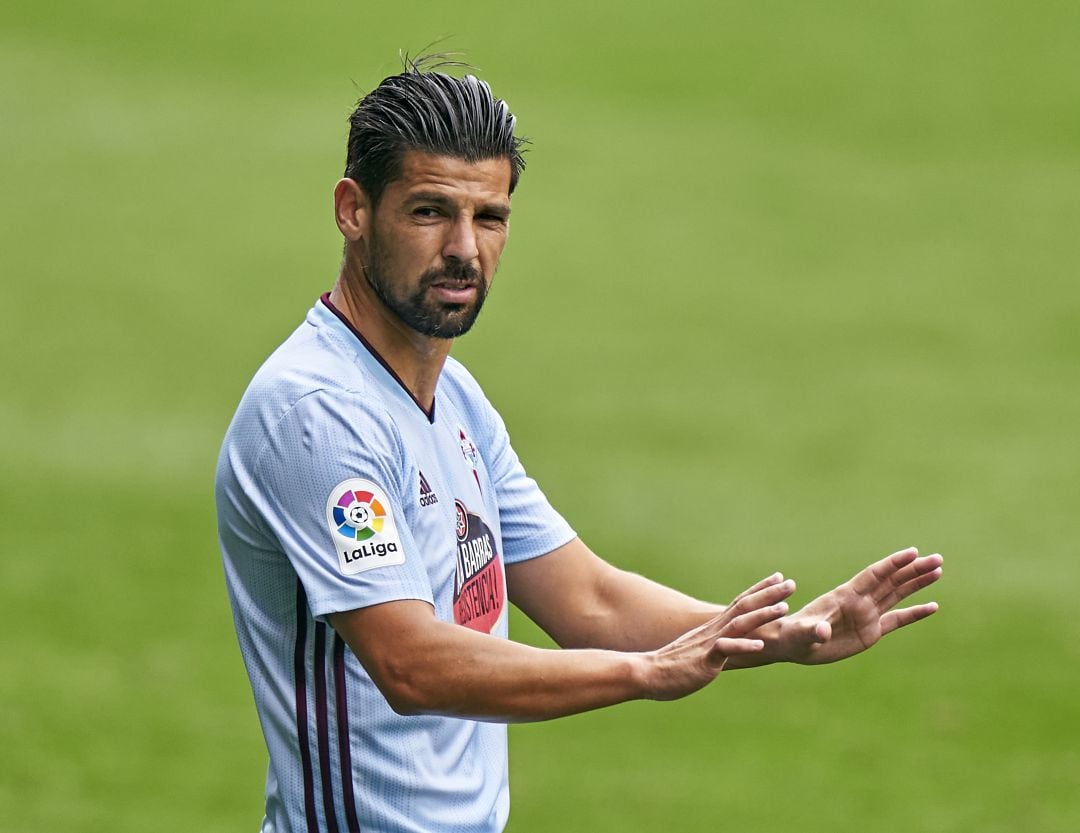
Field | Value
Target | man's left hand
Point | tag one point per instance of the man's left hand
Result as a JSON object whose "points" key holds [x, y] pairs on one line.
{"points": [[855, 615]]}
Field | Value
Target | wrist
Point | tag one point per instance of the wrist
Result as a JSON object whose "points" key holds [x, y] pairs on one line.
{"points": [[643, 673], [775, 650]]}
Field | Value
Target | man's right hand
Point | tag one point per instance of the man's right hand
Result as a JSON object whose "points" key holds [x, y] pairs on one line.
{"points": [[694, 659]]}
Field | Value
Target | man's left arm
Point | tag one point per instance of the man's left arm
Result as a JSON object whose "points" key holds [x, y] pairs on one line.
{"points": [[581, 601]]}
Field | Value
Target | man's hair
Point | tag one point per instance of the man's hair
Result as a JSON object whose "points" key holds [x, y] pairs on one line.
{"points": [[428, 111]]}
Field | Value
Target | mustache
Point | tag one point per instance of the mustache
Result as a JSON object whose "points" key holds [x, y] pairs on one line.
{"points": [[454, 272]]}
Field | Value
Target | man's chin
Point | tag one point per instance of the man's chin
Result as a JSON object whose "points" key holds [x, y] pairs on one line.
{"points": [[450, 321], [454, 328]]}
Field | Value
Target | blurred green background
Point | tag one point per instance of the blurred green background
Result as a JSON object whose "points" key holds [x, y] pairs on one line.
{"points": [[790, 286]]}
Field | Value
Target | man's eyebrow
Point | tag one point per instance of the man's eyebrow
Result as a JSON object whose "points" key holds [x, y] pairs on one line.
{"points": [[498, 209], [429, 196]]}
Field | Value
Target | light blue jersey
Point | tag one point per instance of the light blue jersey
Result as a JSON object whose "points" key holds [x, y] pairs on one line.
{"points": [[336, 490]]}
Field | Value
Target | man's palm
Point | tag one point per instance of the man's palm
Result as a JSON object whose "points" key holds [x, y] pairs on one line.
{"points": [[855, 615]]}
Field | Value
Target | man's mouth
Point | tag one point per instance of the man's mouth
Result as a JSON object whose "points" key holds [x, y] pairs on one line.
{"points": [[458, 286], [456, 291]]}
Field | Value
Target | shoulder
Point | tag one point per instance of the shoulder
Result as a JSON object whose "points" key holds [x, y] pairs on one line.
{"points": [[314, 359], [458, 383], [468, 397], [314, 391]]}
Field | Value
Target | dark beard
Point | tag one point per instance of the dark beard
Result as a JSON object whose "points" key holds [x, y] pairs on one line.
{"points": [[428, 316]]}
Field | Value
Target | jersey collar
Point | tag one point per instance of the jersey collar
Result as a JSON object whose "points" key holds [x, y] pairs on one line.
{"points": [[325, 300]]}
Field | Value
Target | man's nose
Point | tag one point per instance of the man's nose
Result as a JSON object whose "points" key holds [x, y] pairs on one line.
{"points": [[461, 242]]}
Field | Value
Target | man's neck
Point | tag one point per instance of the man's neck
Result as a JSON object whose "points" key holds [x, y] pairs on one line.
{"points": [[416, 359]]}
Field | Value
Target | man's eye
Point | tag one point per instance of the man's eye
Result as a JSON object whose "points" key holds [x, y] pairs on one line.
{"points": [[426, 211]]}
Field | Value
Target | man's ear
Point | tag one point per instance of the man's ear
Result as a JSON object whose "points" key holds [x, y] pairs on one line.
{"points": [[352, 209]]}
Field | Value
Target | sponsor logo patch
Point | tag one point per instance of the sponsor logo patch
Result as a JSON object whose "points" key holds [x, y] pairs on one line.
{"points": [[362, 526], [478, 582]]}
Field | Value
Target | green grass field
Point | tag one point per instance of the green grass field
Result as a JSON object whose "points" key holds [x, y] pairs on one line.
{"points": [[790, 286]]}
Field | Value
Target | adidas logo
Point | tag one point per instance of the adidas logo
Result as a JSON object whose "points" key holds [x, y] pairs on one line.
{"points": [[427, 494]]}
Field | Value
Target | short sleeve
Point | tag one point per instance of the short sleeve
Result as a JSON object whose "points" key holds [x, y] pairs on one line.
{"points": [[530, 525], [331, 491]]}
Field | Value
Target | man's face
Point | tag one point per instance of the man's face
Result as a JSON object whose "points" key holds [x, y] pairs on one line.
{"points": [[436, 238]]}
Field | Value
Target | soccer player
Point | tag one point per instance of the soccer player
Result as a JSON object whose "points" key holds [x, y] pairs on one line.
{"points": [[374, 519]]}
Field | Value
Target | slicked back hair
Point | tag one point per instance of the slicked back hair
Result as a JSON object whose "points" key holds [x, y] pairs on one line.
{"points": [[428, 111]]}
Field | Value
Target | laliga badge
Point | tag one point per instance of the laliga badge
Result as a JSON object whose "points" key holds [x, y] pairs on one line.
{"points": [[362, 527]]}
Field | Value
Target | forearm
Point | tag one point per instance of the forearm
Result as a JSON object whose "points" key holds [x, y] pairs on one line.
{"points": [[581, 601], [640, 615], [614, 609], [424, 665], [448, 669], [633, 613]]}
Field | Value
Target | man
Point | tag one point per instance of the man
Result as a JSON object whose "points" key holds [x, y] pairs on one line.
{"points": [[374, 518]]}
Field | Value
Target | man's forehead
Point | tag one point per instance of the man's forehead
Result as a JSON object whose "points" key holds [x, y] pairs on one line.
{"points": [[488, 179]]}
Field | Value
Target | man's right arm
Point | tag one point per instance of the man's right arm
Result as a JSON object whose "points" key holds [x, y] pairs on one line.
{"points": [[611, 608], [424, 665]]}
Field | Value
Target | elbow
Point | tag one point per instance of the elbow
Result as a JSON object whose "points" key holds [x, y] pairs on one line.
{"points": [[402, 705], [404, 702], [407, 690], [405, 653]]}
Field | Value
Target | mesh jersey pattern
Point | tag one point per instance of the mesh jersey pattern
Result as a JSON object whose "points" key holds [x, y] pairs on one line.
{"points": [[322, 411]]}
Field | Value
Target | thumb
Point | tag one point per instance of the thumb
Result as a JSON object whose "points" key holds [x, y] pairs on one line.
{"points": [[811, 632]]}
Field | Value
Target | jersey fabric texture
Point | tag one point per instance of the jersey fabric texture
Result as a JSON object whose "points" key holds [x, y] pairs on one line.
{"points": [[335, 490]]}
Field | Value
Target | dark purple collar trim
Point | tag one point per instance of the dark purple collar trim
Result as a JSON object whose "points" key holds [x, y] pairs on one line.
{"points": [[325, 298]]}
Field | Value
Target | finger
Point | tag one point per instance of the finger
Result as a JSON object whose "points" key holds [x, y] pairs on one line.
{"points": [[916, 575], [750, 622], [748, 604], [898, 594], [905, 616], [768, 581], [724, 648], [923, 564], [767, 595], [744, 604], [869, 579], [917, 567]]}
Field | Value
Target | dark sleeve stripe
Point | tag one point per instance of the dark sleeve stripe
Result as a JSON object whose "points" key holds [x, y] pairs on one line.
{"points": [[300, 679], [321, 727], [341, 709]]}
